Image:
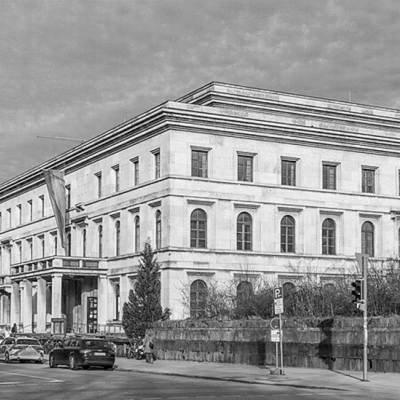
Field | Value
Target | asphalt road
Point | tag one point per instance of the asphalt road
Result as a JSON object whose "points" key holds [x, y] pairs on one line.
{"points": [[35, 381]]}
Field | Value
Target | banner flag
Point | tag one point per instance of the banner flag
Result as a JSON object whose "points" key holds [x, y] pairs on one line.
{"points": [[56, 188]]}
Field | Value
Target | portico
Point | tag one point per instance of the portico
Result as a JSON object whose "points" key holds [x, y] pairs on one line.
{"points": [[55, 289]]}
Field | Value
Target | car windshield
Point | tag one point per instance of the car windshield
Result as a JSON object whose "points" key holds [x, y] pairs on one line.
{"points": [[95, 344], [31, 342]]}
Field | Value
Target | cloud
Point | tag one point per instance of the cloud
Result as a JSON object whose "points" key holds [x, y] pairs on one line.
{"points": [[78, 68]]}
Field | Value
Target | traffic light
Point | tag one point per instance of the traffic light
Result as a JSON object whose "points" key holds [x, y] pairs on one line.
{"points": [[356, 292]]}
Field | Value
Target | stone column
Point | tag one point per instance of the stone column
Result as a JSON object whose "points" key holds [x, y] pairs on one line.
{"points": [[56, 295], [15, 306], [2, 309], [102, 301], [41, 306], [27, 306]]}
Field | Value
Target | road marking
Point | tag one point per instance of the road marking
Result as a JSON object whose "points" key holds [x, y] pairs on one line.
{"points": [[32, 376], [9, 383]]}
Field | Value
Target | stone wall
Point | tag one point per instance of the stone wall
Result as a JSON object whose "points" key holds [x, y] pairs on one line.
{"points": [[312, 343]]}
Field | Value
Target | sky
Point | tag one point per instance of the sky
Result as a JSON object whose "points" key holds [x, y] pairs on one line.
{"points": [[75, 69]]}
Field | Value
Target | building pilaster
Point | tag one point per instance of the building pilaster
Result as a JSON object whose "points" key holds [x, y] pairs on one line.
{"points": [[41, 306], [15, 304], [102, 300], [27, 306]]}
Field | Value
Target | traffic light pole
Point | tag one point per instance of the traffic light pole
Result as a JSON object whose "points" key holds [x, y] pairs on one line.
{"points": [[365, 293], [362, 303]]}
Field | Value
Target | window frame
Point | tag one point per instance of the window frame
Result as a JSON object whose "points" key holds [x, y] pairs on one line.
{"points": [[196, 241], [199, 164], [328, 236], [198, 298], [327, 183], [158, 230], [365, 186], [368, 239], [243, 229], [288, 176], [287, 231], [245, 167]]}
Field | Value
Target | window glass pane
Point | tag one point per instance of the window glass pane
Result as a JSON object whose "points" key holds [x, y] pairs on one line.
{"points": [[288, 172], [245, 168]]}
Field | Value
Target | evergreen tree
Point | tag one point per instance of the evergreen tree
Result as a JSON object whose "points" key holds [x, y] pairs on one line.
{"points": [[144, 305]]}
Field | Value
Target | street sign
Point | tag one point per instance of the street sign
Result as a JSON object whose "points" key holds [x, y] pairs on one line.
{"points": [[278, 300], [275, 335], [275, 323]]}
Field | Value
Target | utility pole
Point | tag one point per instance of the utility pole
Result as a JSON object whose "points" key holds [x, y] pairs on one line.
{"points": [[362, 260]]}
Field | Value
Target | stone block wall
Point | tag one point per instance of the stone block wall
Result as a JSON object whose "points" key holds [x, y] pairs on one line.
{"points": [[311, 343]]}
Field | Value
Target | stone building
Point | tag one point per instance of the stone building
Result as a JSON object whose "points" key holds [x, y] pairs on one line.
{"points": [[228, 183]]}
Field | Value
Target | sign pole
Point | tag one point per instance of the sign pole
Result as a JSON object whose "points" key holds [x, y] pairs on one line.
{"points": [[281, 342]]}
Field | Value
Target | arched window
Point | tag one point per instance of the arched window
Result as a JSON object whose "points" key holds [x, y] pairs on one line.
{"points": [[117, 301], [117, 238], [244, 232], [329, 236], [288, 288], [287, 234], [198, 295], [244, 291], [68, 244], [84, 243], [100, 238], [158, 230], [367, 239], [198, 229], [137, 234]]}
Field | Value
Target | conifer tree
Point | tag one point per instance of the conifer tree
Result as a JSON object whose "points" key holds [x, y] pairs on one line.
{"points": [[144, 304]]}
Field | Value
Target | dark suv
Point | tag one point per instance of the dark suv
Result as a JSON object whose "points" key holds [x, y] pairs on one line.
{"points": [[83, 352]]}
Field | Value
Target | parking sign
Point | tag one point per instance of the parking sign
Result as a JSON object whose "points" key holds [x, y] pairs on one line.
{"points": [[278, 300]]}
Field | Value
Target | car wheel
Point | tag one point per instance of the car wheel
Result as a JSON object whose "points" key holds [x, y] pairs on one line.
{"points": [[85, 367], [7, 358], [52, 364], [108, 367], [72, 363], [22, 361]]}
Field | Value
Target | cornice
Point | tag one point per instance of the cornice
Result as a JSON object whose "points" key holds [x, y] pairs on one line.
{"points": [[305, 130]]}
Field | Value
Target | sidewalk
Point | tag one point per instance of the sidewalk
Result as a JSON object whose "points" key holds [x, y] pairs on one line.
{"points": [[380, 384]]}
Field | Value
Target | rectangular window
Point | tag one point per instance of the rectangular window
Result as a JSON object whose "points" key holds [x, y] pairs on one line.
{"points": [[288, 172], [19, 214], [329, 176], [99, 185], [157, 165], [9, 217], [368, 180], [136, 171], [245, 168], [116, 178], [199, 163], [68, 196], [41, 199], [30, 210]]}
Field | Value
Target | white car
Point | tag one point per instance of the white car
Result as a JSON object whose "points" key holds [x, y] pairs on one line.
{"points": [[21, 349]]}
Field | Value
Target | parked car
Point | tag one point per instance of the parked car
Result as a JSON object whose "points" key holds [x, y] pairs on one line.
{"points": [[21, 349], [83, 352]]}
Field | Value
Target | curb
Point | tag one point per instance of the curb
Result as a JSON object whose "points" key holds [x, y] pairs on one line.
{"points": [[244, 380]]}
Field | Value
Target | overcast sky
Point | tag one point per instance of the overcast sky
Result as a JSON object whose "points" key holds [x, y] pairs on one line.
{"points": [[78, 68]]}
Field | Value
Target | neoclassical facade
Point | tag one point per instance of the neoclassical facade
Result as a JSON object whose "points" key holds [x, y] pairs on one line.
{"points": [[229, 184]]}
